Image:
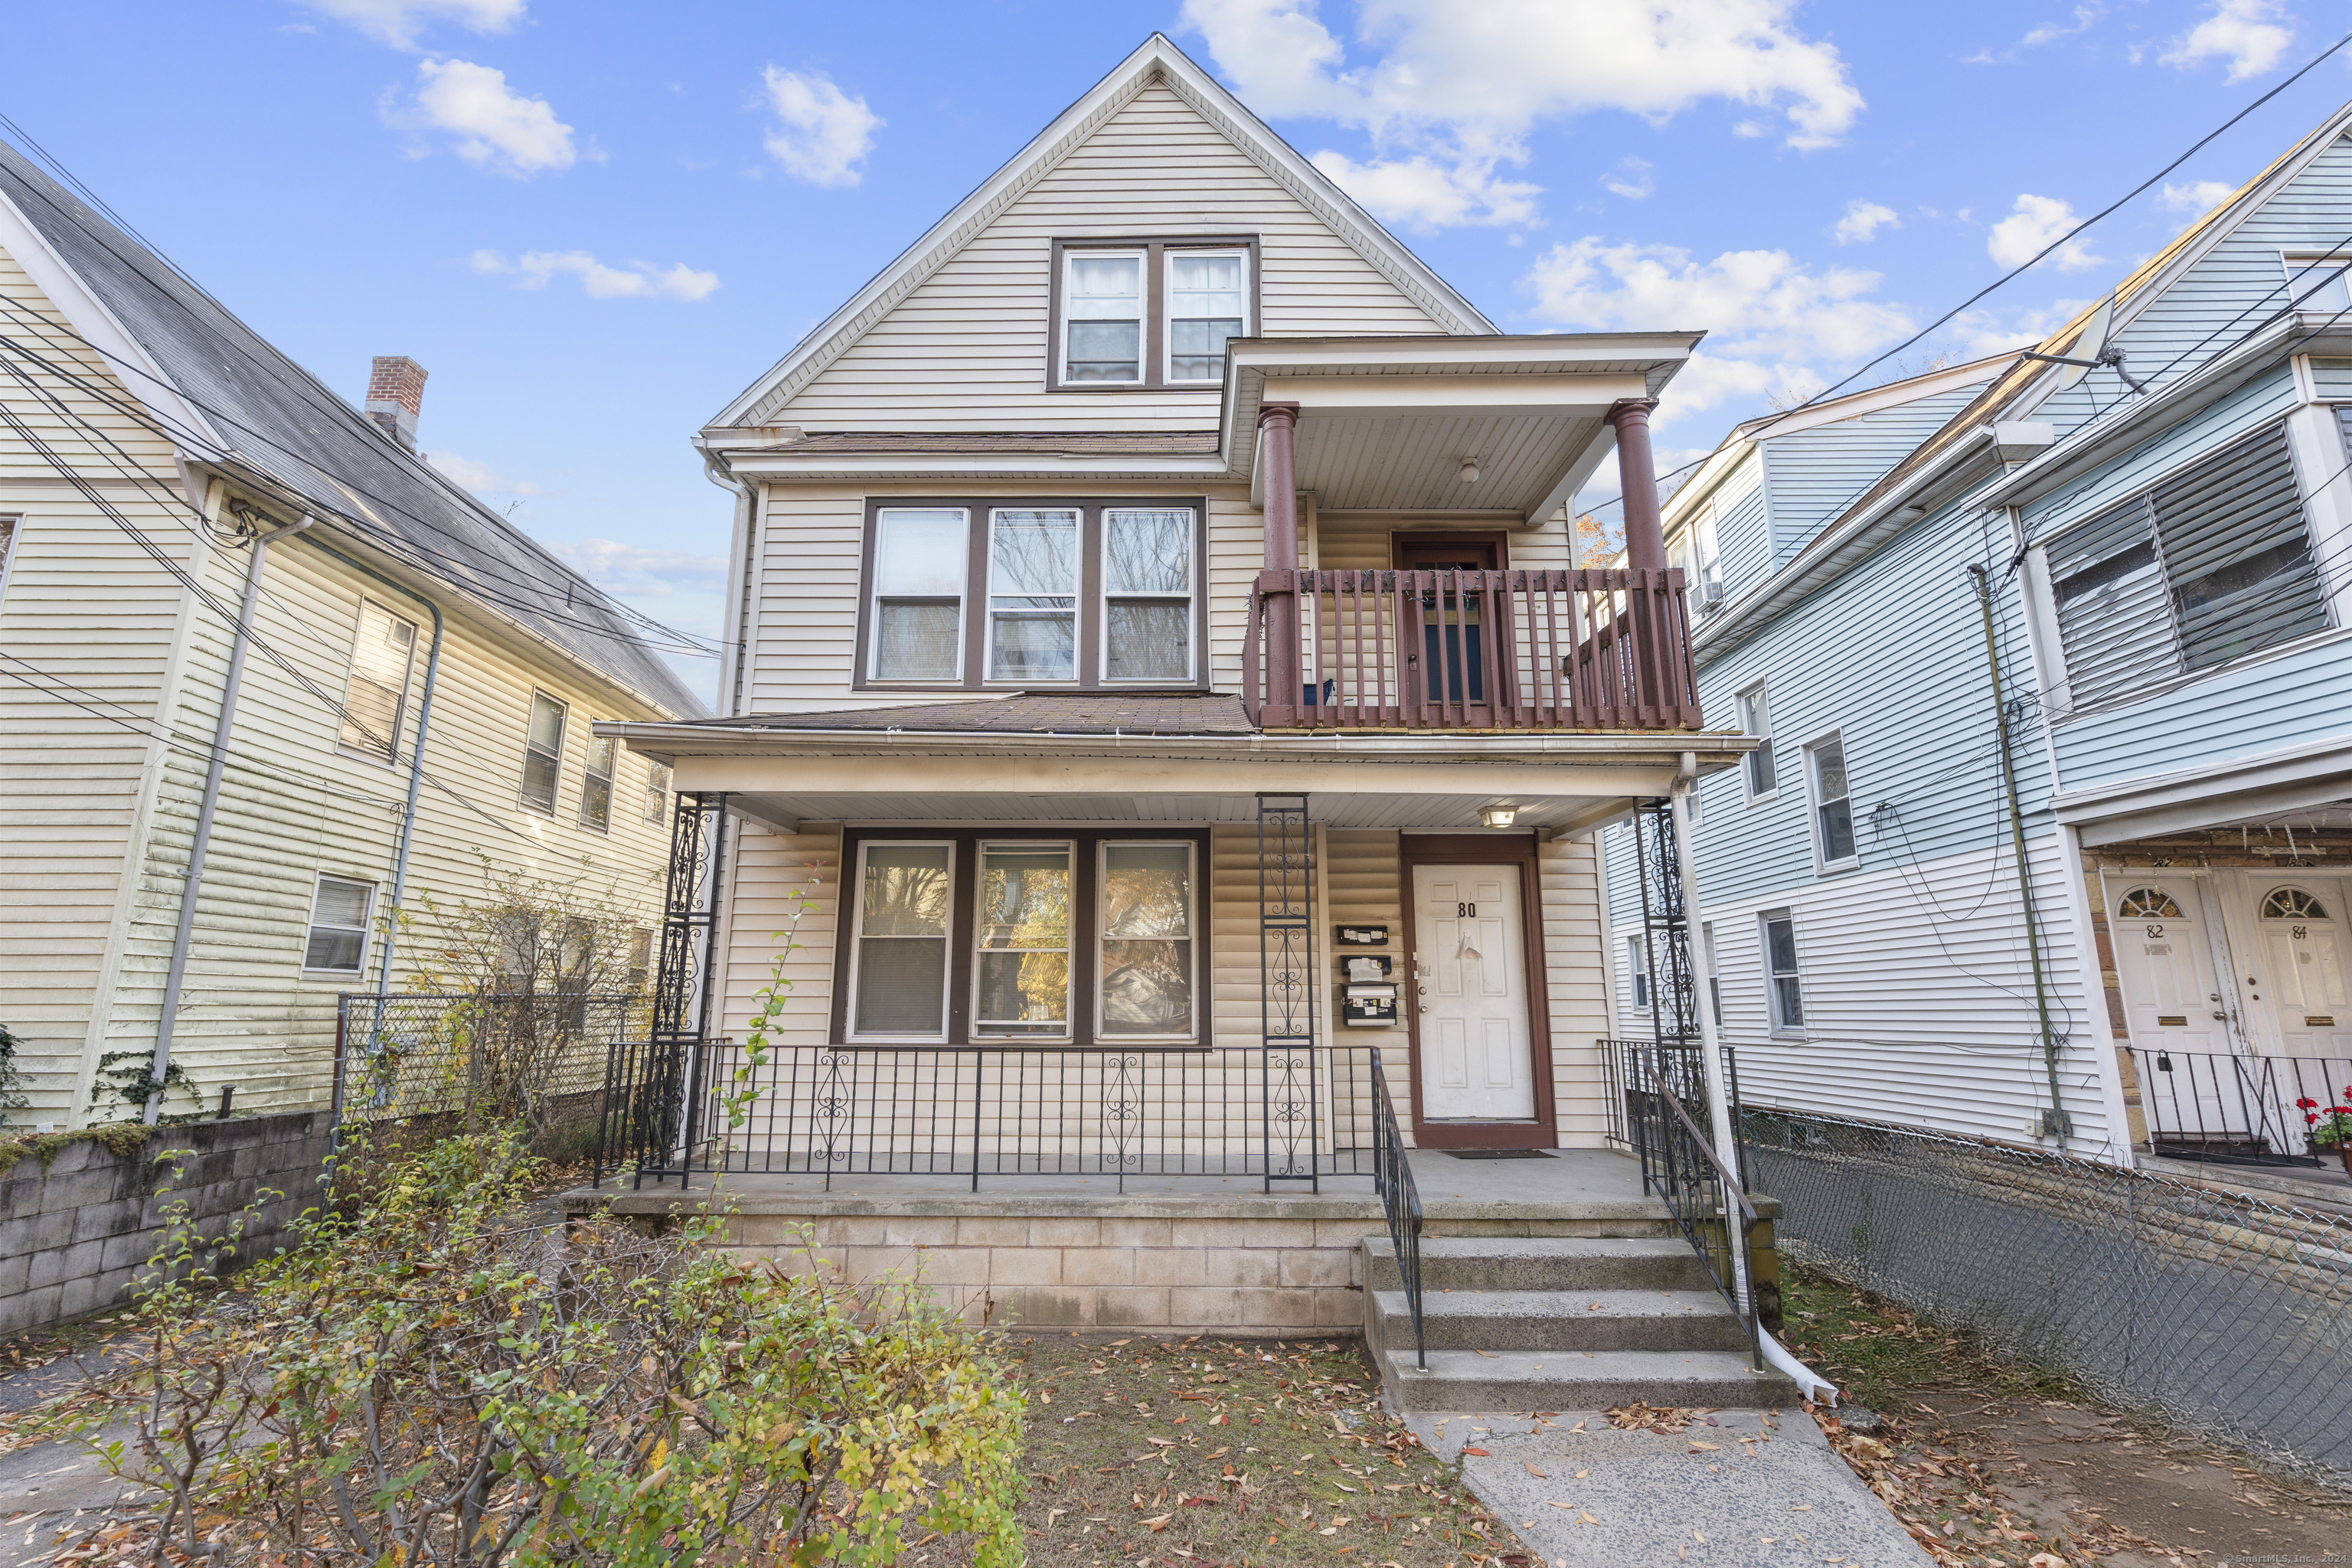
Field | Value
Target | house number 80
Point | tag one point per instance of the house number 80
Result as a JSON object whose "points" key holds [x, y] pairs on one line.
{"points": [[1466, 911]]}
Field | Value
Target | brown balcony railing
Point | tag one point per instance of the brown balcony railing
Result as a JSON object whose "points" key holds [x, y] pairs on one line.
{"points": [[1588, 650]]}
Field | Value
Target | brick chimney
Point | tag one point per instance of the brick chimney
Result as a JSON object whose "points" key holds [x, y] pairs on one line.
{"points": [[395, 395]]}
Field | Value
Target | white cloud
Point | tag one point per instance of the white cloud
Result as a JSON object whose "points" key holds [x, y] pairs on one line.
{"points": [[2250, 34], [399, 22], [1455, 86], [822, 133], [496, 128], [1770, 318], [1990, 330], [2029, 229], [639, 572], [472, 474], [2051, 31], [2197, 198], [1631, 179], [1425, 193], [1863, 220], [634, 280]]}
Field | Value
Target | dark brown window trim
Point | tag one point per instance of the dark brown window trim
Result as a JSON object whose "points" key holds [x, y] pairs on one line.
{"points": [[1155, 269], [1485, 849], [1401, 539], [975, 592], [1083, 935]]}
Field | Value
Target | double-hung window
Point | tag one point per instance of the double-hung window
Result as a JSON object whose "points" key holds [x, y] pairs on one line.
{"points": [[1784, 994], [596, 782], [1756, 719], [1702, 564], [2315, 284], [376, 695], [1147, 593], [657, 777], [1637, 970], [987, 940], [1833, 810], [338, 937], [1086, 594], [1032, 594], [542, 753], [2209, 565], [1714, 982], [1149, 312], [919, 561]]}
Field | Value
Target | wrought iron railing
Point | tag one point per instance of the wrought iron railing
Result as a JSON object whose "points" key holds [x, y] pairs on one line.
{"points": [[1658, 1108], [478, 1058], [2233, 1110], [1400, 1202], [1586, 649], [967, 1111]]}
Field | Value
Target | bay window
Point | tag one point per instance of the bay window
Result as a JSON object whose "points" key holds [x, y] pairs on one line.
{"points": [[987, 940], [1083, 594]]}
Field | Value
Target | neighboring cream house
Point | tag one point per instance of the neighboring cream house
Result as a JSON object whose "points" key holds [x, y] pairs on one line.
{"points": [[1159, 671], [153, 453]]}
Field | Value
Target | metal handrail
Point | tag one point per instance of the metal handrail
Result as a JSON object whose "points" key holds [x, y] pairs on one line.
{"points": [[1731, 1182], [1400, 1202], [1681, 1182]]}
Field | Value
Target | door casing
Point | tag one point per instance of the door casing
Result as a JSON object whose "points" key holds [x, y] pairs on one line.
{"points": [[1484, 850]]}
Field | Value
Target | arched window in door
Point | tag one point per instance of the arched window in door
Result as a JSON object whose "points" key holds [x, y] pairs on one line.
{"points": [[2148, 904], [2292, 904]]}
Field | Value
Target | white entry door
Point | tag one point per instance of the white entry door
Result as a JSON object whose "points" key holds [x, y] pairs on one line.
{"points": [[2193, 1089], [2298, 989], [1471, 986]]}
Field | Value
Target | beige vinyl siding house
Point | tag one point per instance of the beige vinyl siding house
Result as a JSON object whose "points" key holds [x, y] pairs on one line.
{"points": [[119, 591]]}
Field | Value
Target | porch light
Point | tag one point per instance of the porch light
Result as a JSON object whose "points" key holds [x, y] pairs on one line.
{"points": [[1498, 815], [1469, 470]]}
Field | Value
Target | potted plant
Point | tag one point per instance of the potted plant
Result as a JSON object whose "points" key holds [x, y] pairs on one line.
{"points": [[2331, 1127]]}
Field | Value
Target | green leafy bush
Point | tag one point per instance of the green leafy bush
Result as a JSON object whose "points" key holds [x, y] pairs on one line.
{"points": [[427, 1380]]}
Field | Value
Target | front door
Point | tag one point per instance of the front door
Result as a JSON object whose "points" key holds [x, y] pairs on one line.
{"points": [[2296, 989], [1470, 988], [1451, 633]]}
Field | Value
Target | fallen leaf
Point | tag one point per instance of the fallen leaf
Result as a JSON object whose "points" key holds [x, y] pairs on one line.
{"points": [[1569, 1506], [1160, 1523], [1710, 1447], [1480, 1452], [1533, 1471], [1581, 1474]]}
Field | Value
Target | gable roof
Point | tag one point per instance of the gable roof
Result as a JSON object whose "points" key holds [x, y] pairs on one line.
{"points": [[1158, 59], [214, 383]]}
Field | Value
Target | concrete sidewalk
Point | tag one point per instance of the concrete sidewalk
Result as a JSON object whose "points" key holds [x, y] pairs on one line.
{"points": [[1753, 1489]]}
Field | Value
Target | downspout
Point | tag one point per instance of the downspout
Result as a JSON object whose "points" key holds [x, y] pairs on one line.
{"points": [[744, 543], [183, 935], [2056, 1124], [415, 768]]}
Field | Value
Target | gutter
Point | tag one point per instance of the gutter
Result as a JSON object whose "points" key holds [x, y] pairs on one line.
{"points": [[416, 769], [183, 934]]}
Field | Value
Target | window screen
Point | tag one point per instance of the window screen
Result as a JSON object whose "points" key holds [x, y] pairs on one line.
{"points": [[339, 918], [902, 941], [377, 692]]}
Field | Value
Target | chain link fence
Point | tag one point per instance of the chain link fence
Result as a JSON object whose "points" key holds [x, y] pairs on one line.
{"points": [[416, 1067], [2230, 1313]]}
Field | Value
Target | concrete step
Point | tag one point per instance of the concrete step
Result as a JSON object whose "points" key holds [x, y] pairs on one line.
{"points": [[1569, 1263], [1581, 1380], [1553, 1319]]}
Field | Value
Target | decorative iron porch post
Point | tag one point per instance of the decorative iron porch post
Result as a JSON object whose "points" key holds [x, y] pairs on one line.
{"points": [[1292, 1102], [1284, 675]]}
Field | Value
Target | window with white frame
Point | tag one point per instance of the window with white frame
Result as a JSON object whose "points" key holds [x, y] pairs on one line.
{"points": [[375, 697], [1021, 976], [1091, 593], [2315, 284], [1145, 964], [1102, 316], [1208, 303], [2206, 566], [1702, 564], [919, 561], [1147, 581], [596, 782], [542, 753], [1756, 719], [1784, 990], [657, 777], [1833, 810], [1714, 984], [337, 941], [641, 960], [1637, 970], [1032, 594], [898, 987]]}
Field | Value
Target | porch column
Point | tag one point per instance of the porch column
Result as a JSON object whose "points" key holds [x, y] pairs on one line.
{"points": [[1637, 475], [1284, 682]]}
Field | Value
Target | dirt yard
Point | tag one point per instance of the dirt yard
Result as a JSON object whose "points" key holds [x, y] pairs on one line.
{"points": [[1991, 1462]]}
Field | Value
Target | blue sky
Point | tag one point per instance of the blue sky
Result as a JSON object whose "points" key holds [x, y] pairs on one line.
{"points": [[595, 224]]}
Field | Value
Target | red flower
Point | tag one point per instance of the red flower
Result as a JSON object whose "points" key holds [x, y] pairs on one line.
{"points": [[2311, 1118], [2339, 1110], [2305, 1103]]}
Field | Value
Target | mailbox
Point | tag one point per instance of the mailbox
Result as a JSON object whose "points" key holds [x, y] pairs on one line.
{"points": [[1369, 1005]]}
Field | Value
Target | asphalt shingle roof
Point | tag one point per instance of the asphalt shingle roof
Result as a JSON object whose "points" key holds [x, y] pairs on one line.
{"points": [[280, 420]]}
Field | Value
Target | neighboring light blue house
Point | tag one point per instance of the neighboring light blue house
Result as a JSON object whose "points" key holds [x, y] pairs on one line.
{"points": [[2168, 578]]}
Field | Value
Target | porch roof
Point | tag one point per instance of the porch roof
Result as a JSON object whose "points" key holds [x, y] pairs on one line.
{"points": [[1028, 713]]}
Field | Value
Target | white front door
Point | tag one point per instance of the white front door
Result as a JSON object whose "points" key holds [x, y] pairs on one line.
{"points": [[1471, 986], [2297, 991], [2191, 1089]]}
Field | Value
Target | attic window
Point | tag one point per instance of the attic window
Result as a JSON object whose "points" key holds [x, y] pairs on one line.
{"points": [[1136, 314]]}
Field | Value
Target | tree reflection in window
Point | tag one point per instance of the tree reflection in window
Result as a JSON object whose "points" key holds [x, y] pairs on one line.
{"points": [[1023, 982], [1147, 939], [2148, 904]]}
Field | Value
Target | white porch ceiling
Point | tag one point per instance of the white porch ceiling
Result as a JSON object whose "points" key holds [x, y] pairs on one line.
{"points": [[1420, 813]]}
